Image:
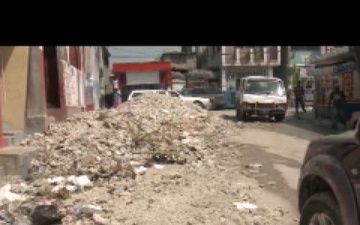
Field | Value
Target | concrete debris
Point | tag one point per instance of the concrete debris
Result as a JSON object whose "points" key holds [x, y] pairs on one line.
{"points": [[106, 143], [108, 151]]}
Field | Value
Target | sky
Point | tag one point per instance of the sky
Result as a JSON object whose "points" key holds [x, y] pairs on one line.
{"points": [[138, 53]]}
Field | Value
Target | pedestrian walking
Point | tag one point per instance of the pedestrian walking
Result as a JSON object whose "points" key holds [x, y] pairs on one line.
{"points": [[337, 101], [299, 93], [117, 98]]}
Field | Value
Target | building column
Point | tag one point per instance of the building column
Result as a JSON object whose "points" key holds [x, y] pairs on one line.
{"points": [[251, 55], [279, 54], [238, 56], [266, 55], [2, 139], [223, 79], [270, 72], [95, 75], [36, 110]]}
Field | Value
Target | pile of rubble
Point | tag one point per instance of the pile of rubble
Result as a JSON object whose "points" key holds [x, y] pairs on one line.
{"points": [[104, 143], [106, 147]]}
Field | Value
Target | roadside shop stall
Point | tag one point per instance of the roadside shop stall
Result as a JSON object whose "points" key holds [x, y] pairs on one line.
{"points": [[344, 75]]}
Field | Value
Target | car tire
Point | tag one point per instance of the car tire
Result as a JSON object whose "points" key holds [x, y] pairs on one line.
{"points": [[319, 205], [279, 118], [199, 104]]}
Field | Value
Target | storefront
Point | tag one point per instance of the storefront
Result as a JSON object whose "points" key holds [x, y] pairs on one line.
{"points": [[344, 75]]}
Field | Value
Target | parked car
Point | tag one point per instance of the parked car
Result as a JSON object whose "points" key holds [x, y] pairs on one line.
{"points": [[329, 183], [215, 95], [136, 93], [202, 102]]}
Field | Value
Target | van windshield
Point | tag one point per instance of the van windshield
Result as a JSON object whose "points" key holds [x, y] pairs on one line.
{"points": [[264, 86]]}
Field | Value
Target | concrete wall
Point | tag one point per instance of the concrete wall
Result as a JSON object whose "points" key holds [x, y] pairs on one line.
{"points": [[15, 78]]}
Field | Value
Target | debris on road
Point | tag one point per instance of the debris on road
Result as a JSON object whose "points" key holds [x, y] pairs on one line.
{"points": [[110, 166], [245, 205], [108, 150], [102, 143]]}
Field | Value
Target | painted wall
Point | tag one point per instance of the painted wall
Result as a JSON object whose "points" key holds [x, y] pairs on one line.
{"points": [[15, 78]]}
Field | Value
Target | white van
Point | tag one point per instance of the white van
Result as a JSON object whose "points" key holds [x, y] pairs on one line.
{"points": [[261, 96]]}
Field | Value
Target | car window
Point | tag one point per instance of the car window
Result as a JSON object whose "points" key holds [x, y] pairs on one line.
{"points": [[259, 86], [198, 91], [213, 91], [186, 92]]}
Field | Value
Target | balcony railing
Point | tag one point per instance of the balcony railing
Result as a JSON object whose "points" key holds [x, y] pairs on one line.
{"points": [[259, 55]]}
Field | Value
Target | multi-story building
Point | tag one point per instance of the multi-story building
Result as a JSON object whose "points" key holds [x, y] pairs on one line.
{"points": [[229, 63], [180, 61], [181, 64]]}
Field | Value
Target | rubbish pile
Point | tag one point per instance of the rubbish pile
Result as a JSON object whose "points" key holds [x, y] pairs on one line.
{"points": [[105, 147], [103, 143]]}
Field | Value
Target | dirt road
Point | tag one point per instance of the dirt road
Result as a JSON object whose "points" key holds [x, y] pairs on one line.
{"points": [[279, 148], [258, 166]]}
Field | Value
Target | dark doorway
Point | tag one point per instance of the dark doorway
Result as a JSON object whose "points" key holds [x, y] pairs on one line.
{"points": [[51, 77]]}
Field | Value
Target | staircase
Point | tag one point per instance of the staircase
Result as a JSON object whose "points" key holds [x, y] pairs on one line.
{"points": [[13, 137]]}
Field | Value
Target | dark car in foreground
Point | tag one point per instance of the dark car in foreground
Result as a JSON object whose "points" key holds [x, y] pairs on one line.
{"points": [[329, 183], [215, 95]]}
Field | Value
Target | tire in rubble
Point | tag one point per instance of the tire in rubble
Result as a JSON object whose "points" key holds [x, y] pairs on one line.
{"points": [[321, 208]]}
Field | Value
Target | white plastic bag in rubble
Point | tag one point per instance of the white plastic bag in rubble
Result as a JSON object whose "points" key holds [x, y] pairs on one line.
{"points": [[82, 181], [5, 193], [140, 170], [245, 205]]}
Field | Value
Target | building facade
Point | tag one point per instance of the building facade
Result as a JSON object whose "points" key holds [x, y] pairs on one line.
{"points": [[336, 66], [141, 75], [41, 84], [230, 63]]}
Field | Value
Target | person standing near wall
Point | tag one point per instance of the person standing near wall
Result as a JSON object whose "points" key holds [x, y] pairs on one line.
{"points": [[299, 93], [338, 101], [117, 98], [109, 96]]}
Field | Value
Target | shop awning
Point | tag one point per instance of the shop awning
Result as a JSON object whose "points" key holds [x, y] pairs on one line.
{"points": [[340, 56]]}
